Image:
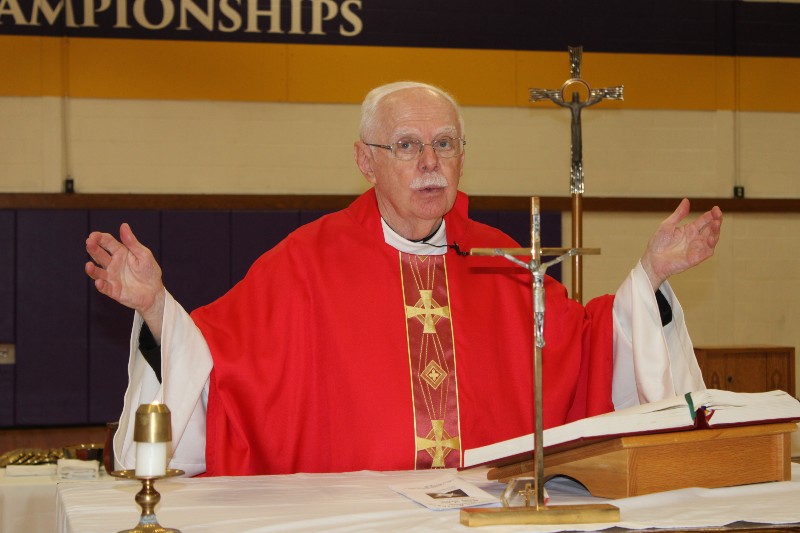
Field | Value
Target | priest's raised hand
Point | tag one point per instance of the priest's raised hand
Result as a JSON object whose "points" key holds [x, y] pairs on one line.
{"points": [[126, 271], [673, 248]]}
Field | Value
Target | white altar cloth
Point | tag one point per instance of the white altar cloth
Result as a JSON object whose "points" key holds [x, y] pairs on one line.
{"points": [[363, 501], [28, 503]]}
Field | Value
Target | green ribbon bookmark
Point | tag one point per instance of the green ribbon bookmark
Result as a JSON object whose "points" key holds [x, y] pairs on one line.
{"points": [[692, 410]]}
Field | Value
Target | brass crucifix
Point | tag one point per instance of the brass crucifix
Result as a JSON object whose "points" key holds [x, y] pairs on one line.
{"points": [[538, 270], [536, 512], [575, 105]]}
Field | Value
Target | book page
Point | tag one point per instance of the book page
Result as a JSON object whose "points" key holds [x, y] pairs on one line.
{"points": [[671, 413], [725, 408], [721, 408]]}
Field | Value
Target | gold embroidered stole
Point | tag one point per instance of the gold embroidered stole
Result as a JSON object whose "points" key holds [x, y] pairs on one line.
{"points": [[431, 353]]}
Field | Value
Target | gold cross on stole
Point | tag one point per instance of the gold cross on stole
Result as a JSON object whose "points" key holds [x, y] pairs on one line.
{"points": [[440, 442], [427, 308]]}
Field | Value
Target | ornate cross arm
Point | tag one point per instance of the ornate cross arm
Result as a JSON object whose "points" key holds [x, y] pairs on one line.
{"points": [[558, 97], [519, 252], [537, 95], [608, 93]]}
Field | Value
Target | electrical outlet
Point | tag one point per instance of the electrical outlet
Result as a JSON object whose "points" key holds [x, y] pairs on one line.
{"points": [[7, 356]]}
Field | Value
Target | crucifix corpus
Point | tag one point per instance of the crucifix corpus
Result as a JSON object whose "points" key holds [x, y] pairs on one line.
{"points": [[575, 105], [535, 511]]}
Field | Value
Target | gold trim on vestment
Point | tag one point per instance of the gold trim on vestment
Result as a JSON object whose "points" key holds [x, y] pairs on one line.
{"points": [[432, 373]]}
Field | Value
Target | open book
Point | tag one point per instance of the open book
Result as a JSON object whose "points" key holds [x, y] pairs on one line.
{"points": [[703, 409]]}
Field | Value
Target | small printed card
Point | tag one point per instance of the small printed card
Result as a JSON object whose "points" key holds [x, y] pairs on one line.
{"points": [[445, 492]]}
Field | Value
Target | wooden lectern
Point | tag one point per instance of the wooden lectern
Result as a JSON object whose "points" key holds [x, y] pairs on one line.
{"points": [[644, 464]]}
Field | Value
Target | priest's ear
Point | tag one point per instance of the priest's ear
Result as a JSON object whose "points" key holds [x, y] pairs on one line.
{"points": [[365, 160]]}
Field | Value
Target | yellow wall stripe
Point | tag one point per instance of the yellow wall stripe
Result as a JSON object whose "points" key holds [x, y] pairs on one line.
{"points": [[193, 70], [31, 66], [177, 70], [346, 73]]}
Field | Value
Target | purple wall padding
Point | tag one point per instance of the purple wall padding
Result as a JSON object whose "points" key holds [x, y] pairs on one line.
{"points": [[52, 318], [7, 257], [195, 255], [255, 232]]}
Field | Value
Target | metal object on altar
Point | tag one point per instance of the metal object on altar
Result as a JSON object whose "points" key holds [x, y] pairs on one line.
{"points": [[520, 252], [533, 509], [85, 452], [561, 514], [147, 498], [43, 456], [31, 456], [152, 426], [153, 423], [576, 105], [520, 492]]}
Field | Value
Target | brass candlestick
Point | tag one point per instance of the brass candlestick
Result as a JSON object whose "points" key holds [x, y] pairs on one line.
{"points": [[148, 498], [152, 432]]}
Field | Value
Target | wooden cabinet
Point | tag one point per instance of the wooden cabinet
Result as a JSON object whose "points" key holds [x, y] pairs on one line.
{"points": [[747, 368]]}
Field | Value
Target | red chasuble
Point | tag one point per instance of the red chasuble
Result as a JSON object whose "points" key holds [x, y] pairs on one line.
{"points": [[322, 362]]}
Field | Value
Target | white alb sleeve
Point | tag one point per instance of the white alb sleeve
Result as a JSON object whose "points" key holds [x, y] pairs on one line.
{"points": [[185, 368], [651, 361]]}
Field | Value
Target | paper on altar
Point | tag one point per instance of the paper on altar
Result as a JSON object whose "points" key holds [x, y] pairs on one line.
{"points": [[30, 470], [446, 492], [78, 469]]}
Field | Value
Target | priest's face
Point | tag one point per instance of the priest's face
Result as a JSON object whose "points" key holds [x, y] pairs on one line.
{"points": [[414, 194]]}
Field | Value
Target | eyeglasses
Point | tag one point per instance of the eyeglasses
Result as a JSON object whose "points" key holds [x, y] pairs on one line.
{"points": [[406, 150]]}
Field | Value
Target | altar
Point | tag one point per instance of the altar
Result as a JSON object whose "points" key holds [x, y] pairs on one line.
{"points": [[364, 501], [28, 503]]}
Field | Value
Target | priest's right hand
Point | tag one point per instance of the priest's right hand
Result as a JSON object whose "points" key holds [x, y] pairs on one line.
{"points": [[126, 271]]}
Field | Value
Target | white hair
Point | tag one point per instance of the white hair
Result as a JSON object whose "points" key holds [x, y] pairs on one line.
{"points": [[371, 104]]}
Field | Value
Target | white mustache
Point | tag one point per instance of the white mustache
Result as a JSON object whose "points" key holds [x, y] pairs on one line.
{"points": [[431, 180]]}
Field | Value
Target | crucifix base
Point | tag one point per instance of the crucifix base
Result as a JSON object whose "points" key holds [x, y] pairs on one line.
{"points": [[555, 515]]}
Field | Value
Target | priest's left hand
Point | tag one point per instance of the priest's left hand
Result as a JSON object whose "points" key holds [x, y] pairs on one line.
{"points": [[673, 248]]}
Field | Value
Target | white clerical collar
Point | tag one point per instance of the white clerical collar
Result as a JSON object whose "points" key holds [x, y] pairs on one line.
{"points": [[435, 245]]}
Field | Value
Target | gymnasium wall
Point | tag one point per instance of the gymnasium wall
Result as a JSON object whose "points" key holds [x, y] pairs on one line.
{"points": [[261, 97]]}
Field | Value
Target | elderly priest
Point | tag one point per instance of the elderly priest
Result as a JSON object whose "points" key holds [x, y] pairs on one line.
{"points": [[366, 340]]}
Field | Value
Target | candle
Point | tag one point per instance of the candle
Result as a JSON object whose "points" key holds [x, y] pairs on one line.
{"points": [[151, 459], [152, 432]]}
